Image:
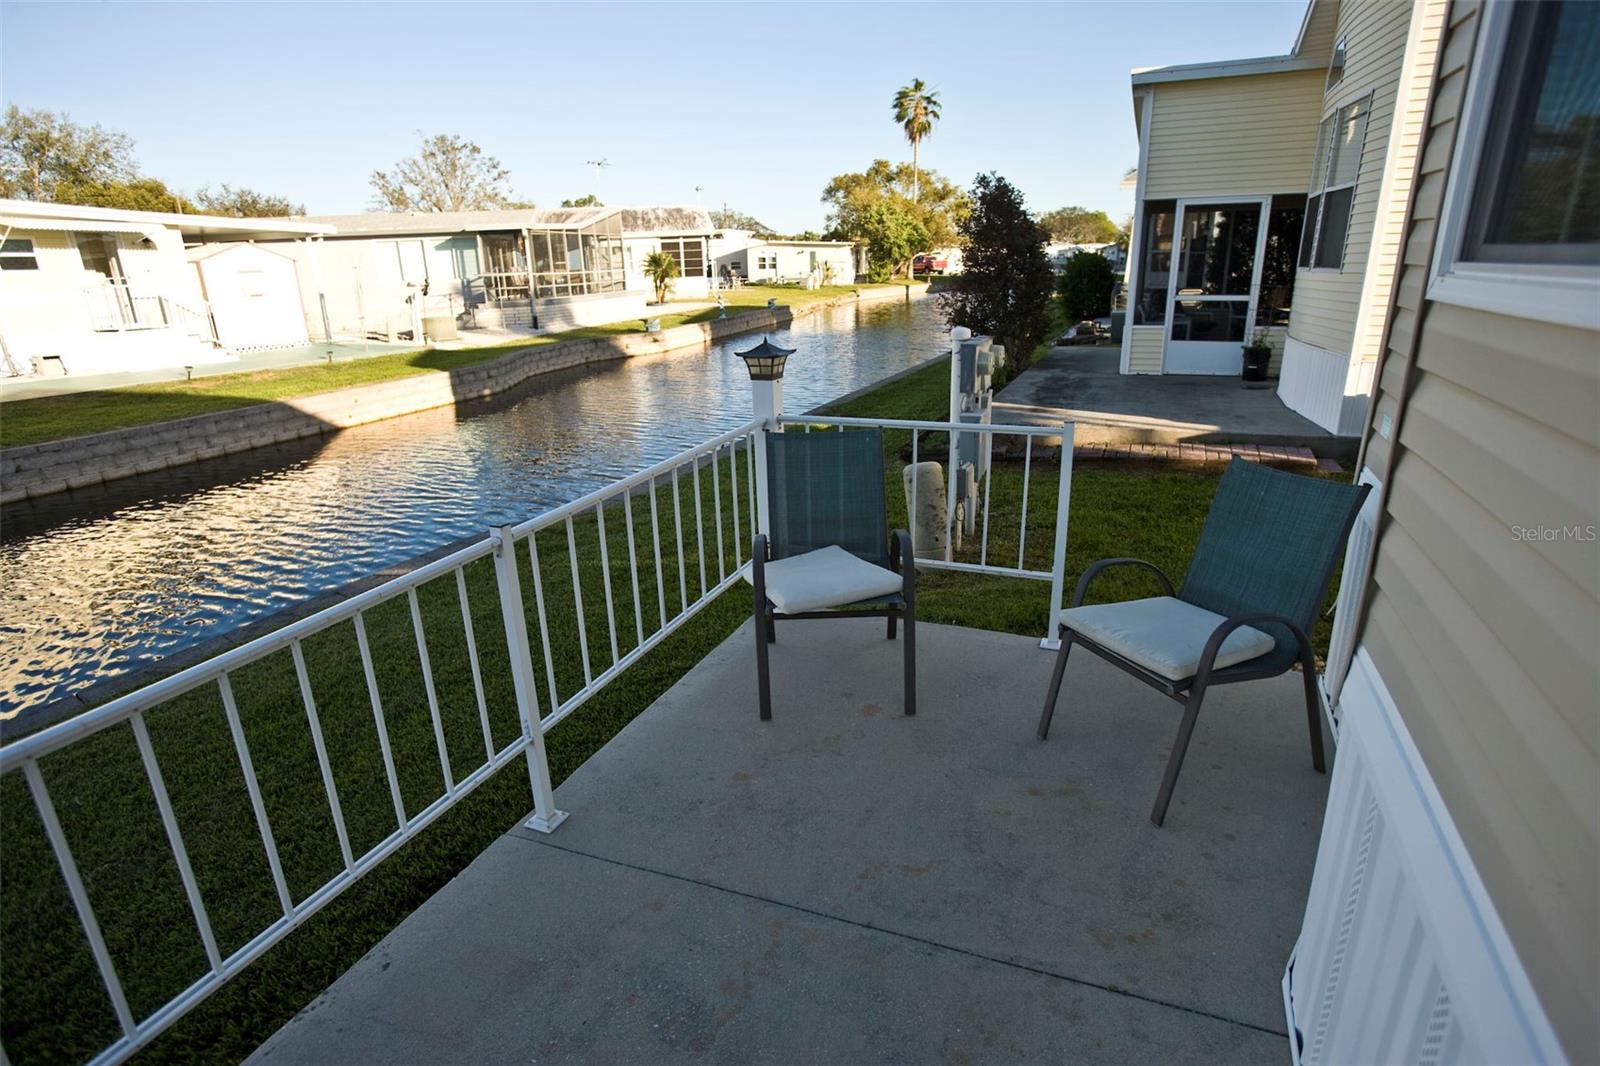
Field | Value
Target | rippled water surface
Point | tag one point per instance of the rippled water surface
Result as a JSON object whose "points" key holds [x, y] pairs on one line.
{"points": [[95, 583]]}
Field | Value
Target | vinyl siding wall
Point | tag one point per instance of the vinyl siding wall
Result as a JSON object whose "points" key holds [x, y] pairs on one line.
{"points": [[1487, 641], [1233, 136], [1326, 302]]}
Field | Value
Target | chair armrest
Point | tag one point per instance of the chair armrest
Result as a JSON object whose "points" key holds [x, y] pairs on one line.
{"points": [[899, 549], [903, 562], [758, 565], [1106, 564], [1214, 643]]}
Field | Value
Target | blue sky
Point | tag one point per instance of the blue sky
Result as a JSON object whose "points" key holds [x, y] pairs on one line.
{"points": [[758, 104]]}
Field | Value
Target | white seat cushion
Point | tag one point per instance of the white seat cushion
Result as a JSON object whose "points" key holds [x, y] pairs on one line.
{"points": [[1164, 634], [826, 577]]}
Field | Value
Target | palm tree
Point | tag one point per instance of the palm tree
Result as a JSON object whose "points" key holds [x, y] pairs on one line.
{"points": [[916, 110], [660, 268]]}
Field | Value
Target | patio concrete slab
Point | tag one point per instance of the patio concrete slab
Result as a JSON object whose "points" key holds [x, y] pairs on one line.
{"points": [[847, 884], [1082, 384]]}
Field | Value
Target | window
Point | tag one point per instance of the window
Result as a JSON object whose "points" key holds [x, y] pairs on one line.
{"points": [[1333, 186], [1155, 270], [17, 254], [1539, 175], [1518, 229], [689, 253], [1336, 66]]}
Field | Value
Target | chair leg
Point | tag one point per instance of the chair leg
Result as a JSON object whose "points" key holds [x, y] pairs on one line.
{"points": [[763, 675], [1180, 745], [910, 652], [892, 619], [1054, 691], [772, 629], [1308, 668]]}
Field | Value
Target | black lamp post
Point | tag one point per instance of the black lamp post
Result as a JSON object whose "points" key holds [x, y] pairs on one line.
{"points": [[765, 361]]}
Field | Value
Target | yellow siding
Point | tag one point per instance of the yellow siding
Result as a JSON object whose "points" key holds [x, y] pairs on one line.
{"points": [[1233, 136], [1487, 639], [1145, 347], [1327, 302]]}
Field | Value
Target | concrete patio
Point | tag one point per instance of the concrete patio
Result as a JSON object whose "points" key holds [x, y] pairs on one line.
{"points": [[844, 884], [1082, 384]]}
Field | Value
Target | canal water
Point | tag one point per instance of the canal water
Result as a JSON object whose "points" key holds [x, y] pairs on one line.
{"points": [[98, 582]]}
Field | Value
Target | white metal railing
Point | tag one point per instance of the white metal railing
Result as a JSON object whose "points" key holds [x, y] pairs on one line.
{"points": [[1056, 575], [537, 713], [541, 704]]}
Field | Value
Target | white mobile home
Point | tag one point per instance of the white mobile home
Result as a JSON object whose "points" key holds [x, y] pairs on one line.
{"points": [[683, 233], [382, 273], [752, 258], [87, 290]]}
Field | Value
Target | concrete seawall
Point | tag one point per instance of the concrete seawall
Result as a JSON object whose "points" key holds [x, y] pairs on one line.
{"points": [[30, 470]]}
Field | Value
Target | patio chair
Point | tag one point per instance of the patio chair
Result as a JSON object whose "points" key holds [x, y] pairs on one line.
{"points": [[1246, 609], [830, 545]]}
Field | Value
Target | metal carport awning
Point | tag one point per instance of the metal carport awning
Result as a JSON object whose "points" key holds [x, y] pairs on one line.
{"points": [[74, 225]]}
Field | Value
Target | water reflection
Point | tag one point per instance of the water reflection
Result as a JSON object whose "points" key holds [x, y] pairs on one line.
{"points": [[97, 582]]}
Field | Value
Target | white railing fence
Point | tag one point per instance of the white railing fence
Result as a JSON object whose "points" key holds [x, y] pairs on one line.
{"points": [[583, 592], [676, 563]]}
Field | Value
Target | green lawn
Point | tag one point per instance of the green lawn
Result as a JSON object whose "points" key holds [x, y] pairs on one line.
{"points": [[53, 1009], [45, 418]]}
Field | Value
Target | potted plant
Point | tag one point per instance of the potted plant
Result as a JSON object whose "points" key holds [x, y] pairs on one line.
{"points": [[1257, 356]]}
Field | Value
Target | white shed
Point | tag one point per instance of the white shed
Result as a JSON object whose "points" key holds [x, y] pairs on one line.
{"points": [[254, 294]]}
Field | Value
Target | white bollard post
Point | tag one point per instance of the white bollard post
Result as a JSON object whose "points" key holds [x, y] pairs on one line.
{"points": [[1058, 562], [545, 816], [767, 401]]}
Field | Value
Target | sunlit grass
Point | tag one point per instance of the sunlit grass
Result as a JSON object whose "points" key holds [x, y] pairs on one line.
{"points": [[44, 418]]}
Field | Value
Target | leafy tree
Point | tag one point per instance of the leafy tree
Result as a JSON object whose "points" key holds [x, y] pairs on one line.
{"points": [[724, 218], [1004, 287], [41, 149], [245, 203], [1079, 225], [448, 173], [139, 194], [591, 200], [660, 268], [892, 234], [916, 109], [940, 208], [1086, 285]]}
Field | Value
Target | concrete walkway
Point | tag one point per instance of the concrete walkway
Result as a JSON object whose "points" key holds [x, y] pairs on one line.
{"points": [[1082, 383], [844, 884]]}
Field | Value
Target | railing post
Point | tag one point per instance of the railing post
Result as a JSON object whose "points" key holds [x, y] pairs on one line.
{"points": [[1058, 562], [767, 400], [545, 816]]}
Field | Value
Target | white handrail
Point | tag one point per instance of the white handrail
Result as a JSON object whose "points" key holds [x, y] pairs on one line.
{"points": [[538, 712]]}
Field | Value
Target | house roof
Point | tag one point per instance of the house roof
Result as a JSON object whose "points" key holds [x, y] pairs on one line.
{"points": [[390, 223], [26, 214], [663, 220], [1313, 46], [1228, 68]]}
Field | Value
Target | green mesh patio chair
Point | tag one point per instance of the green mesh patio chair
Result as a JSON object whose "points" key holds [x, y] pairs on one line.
{"points": [[830, 545], [1246, 609]]}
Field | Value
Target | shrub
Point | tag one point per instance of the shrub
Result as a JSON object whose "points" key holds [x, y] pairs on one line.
{"points": [[1086, 285], [1004, 288]]}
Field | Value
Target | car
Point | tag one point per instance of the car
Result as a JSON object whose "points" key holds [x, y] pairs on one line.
{"points": [[945, 261]]}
